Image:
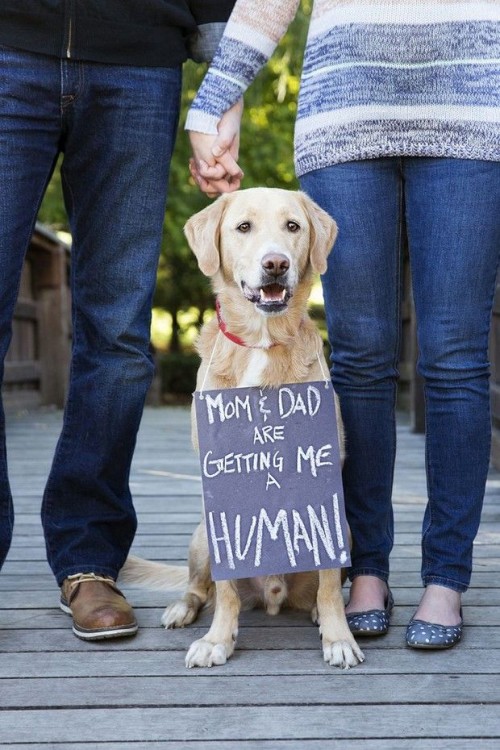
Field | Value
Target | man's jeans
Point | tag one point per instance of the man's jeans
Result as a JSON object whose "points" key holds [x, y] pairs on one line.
{"points": [[116, 126], [452, 213]]}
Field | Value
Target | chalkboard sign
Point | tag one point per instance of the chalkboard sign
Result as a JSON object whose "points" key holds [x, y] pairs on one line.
{"points": [[271, 476]]}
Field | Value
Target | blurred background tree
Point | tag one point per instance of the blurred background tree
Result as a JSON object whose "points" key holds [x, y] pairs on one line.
{"points": [[183, 295]]}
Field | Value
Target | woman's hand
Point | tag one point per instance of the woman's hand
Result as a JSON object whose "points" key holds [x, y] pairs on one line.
{"points": [[214, 164]]}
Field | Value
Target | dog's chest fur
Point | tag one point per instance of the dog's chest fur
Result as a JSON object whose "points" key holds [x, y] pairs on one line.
{"points": [[253, 375]]}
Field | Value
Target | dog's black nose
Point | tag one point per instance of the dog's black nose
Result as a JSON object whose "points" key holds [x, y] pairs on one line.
{"points": [[275, 264]]}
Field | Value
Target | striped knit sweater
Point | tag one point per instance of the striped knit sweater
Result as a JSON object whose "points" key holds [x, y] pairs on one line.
{"points": [[380, 77]]}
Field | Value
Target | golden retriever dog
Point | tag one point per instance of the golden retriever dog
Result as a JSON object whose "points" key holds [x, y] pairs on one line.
{"points": [[260, 247]]}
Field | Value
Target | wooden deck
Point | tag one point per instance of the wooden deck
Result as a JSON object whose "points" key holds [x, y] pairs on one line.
{"points": [[276, 692]]}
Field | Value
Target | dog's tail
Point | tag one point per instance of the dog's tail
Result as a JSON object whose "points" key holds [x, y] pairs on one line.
{"points": [[154, 575]]}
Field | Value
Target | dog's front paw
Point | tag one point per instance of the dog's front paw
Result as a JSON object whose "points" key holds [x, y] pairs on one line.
{"points": [[203, 653], [178, 615], [343, 654]]}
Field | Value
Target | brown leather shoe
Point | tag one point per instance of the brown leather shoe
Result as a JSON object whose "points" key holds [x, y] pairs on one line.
{"points": [[99, 609]]}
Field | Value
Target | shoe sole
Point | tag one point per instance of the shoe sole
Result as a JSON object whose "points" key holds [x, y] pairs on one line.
{"points": [[99, 634], [428, 647]]}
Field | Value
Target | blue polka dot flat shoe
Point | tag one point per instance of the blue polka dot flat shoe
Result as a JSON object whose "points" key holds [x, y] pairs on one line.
{"points": [[428, 635], [373, 622]]}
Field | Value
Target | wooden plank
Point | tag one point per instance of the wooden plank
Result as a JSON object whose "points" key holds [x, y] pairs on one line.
{"points": [[50, 618], [250, 723], [13, 571], [19, 635], [263, 690], [176, 553], [192, 513], [302, 744], [108, 661], [45, 598], [31, 538], [407, 573]]}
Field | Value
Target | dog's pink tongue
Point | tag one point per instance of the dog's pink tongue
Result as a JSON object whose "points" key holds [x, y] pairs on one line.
{"points": [[273, 293]]}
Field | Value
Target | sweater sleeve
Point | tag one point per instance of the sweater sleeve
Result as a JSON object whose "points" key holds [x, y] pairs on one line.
{"points": [[250, 38], [211, 17]]}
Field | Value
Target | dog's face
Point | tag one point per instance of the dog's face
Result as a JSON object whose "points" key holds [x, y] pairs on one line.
{"points": [[264, 241]]}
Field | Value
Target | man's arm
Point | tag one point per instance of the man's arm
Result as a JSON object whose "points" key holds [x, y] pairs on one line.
{"points": [[211, 17]]}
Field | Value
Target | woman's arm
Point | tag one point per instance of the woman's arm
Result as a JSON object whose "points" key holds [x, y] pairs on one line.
{"points": [[250, 37]]}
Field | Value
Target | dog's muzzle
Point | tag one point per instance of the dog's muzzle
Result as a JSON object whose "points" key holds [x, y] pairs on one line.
{"points": [[271, 298]]}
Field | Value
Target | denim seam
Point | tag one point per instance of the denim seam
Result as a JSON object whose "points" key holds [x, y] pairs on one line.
{"points": [[90, 568], [66, 100], [450, 583], [355, 572], [428, 464]]}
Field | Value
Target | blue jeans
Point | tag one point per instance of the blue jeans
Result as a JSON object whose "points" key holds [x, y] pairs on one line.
{"points": [[451, 210], [116, 126]]}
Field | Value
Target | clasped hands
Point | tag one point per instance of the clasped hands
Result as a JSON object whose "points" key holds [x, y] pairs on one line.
{"points": [[214, 164]]}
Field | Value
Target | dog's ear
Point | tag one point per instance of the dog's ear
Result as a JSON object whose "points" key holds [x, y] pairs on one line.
{"points": [[323, 232], [203, 235]]}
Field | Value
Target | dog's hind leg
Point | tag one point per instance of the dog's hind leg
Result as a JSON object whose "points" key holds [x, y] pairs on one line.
{"points": [[218, 644], [185, 611], [339, 646]]}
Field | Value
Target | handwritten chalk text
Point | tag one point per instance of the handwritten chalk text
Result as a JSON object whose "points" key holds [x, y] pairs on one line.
{"points": [[300, 535]]}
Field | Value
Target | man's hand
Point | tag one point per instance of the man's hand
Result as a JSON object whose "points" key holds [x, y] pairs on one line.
{"points": [[214, 164]]}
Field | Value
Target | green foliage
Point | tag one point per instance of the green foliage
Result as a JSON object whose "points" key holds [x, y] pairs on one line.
{"points": [[52, 211], [178, 372], [266, 157]]}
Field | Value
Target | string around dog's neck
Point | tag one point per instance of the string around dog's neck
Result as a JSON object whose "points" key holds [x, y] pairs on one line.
{"points": [[240, 342], [231, 336]]}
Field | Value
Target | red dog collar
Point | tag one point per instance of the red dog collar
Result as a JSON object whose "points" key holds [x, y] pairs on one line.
{"points": [[231, 336]]}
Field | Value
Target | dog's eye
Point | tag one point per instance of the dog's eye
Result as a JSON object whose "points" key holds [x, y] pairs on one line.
{"points": [[292, 226], [243, 227]]}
